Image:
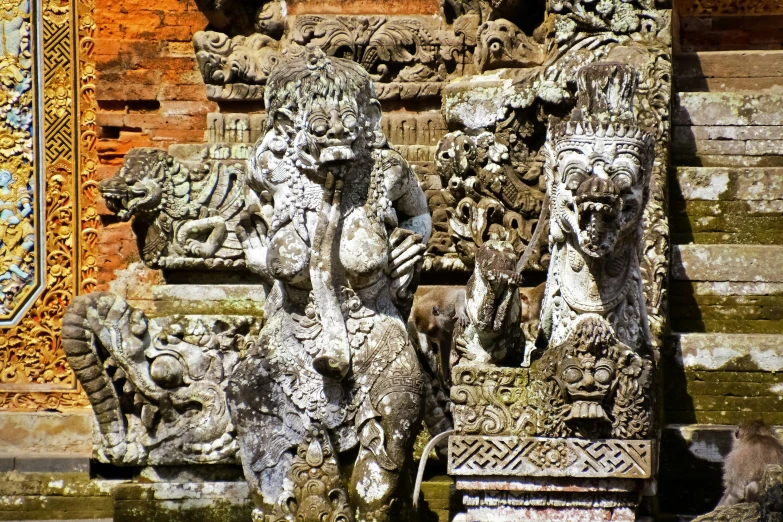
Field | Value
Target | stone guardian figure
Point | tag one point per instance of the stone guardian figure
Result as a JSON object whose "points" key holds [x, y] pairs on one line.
{"points": [[329, 398]]}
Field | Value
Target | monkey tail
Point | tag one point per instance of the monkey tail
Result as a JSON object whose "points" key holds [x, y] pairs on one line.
{"points": [[423, 463]]}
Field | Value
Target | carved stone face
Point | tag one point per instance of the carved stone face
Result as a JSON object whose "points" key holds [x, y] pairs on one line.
{"points": [[137, 189], [599, 190], [323, 109], [587, 381]]}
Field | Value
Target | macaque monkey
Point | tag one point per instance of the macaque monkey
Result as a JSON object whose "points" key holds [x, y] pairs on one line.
{"points": [[532, 297], [436, 310], [755, 446]]}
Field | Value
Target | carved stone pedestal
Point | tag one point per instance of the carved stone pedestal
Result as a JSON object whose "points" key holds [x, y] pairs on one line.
{"points": [[538, 499], [547, 479]]}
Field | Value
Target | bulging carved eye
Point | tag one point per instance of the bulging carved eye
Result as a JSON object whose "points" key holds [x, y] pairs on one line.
{"points": [[319, 126], [573, 375], [623, 180], [349, 119], [603, 375]]}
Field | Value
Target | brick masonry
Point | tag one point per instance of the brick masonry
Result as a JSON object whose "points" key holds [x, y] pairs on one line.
{"points": [[150, 94]]}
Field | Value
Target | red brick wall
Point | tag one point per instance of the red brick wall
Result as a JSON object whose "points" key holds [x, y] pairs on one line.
{"points": [[150, 94]]}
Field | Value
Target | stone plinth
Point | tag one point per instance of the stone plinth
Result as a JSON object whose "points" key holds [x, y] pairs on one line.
{"points": [[547, 499]]}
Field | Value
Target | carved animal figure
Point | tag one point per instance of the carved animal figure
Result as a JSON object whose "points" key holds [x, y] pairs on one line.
{"points": [[337, 225], [157, 389], [598, 172], [181, 218], [493, 333], [755, 446]]}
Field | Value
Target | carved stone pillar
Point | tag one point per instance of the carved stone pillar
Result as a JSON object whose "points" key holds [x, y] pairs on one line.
{"points": [[572, 436]]}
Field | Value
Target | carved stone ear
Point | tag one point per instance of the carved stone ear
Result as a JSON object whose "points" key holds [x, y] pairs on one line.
{"points": [[283, 122], [374, 114]]}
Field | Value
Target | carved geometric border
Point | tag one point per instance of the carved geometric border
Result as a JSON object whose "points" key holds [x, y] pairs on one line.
{"points": [[34, 374], [550, 457]]}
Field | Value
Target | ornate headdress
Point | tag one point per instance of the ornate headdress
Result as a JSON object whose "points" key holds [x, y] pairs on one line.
{"points": [[604, 109]]}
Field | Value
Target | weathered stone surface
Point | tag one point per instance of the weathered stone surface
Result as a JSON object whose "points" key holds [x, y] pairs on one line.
{"points": [[729, 64], [338, 229], [46, 432], [727, 352], [697, 108], [55, 496], [735, 263]]}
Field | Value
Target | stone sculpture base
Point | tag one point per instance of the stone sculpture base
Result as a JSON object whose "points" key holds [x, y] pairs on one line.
{"points": [[507, 478], [182, 502], [537, 499]]}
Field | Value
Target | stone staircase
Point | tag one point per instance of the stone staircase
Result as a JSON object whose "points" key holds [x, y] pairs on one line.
{"points": [[725, 353]]}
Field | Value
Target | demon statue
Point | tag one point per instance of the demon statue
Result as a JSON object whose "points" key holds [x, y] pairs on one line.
{"points": [[328, 401], [594, 313], [598, 171]]}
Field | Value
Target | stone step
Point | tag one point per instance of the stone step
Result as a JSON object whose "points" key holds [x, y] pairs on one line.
{"points": [[727, 263], [727, 140], [723, 378], [722, 205], [701, 32], [729, 71], [726, 108]]}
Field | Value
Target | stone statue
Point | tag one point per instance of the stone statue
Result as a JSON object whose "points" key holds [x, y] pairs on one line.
{"points": [[598, 173], [182, 217], [328, 401], [157, 386], [584, 408], [594, 313]]}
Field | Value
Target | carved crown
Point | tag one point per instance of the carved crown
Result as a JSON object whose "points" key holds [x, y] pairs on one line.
{"points": [[604, 109]]}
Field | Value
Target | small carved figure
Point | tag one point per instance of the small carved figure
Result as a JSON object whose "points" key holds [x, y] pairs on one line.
{"points": [[181, 218], [502, 44], [17, 235], [337, 226], [755, 446], [493, 333]]}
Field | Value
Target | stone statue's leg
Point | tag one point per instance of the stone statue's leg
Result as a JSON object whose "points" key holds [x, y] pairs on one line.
{"points": [[256, 403], [399, 401]]}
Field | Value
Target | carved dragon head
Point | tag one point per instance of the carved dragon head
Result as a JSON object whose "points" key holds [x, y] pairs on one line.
{"points": [[149, 181], [599, 162]]}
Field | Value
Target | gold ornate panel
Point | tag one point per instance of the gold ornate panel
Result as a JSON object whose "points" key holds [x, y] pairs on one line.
{"points": [[48, 218]]}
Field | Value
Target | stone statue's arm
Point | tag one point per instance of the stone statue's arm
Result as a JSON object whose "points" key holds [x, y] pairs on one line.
{"points": [[409, 239], [411, 203], [251, 231]]}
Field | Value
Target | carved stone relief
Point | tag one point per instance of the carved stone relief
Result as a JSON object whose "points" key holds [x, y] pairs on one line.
{"points": [[182, 217], [157, 386], [585, 406]]}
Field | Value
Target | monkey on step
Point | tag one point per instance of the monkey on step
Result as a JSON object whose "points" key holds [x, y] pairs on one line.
{"points": [[755, 446]]}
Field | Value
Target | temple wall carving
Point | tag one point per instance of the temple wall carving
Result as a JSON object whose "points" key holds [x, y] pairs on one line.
{"points": [[48, 167]]}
